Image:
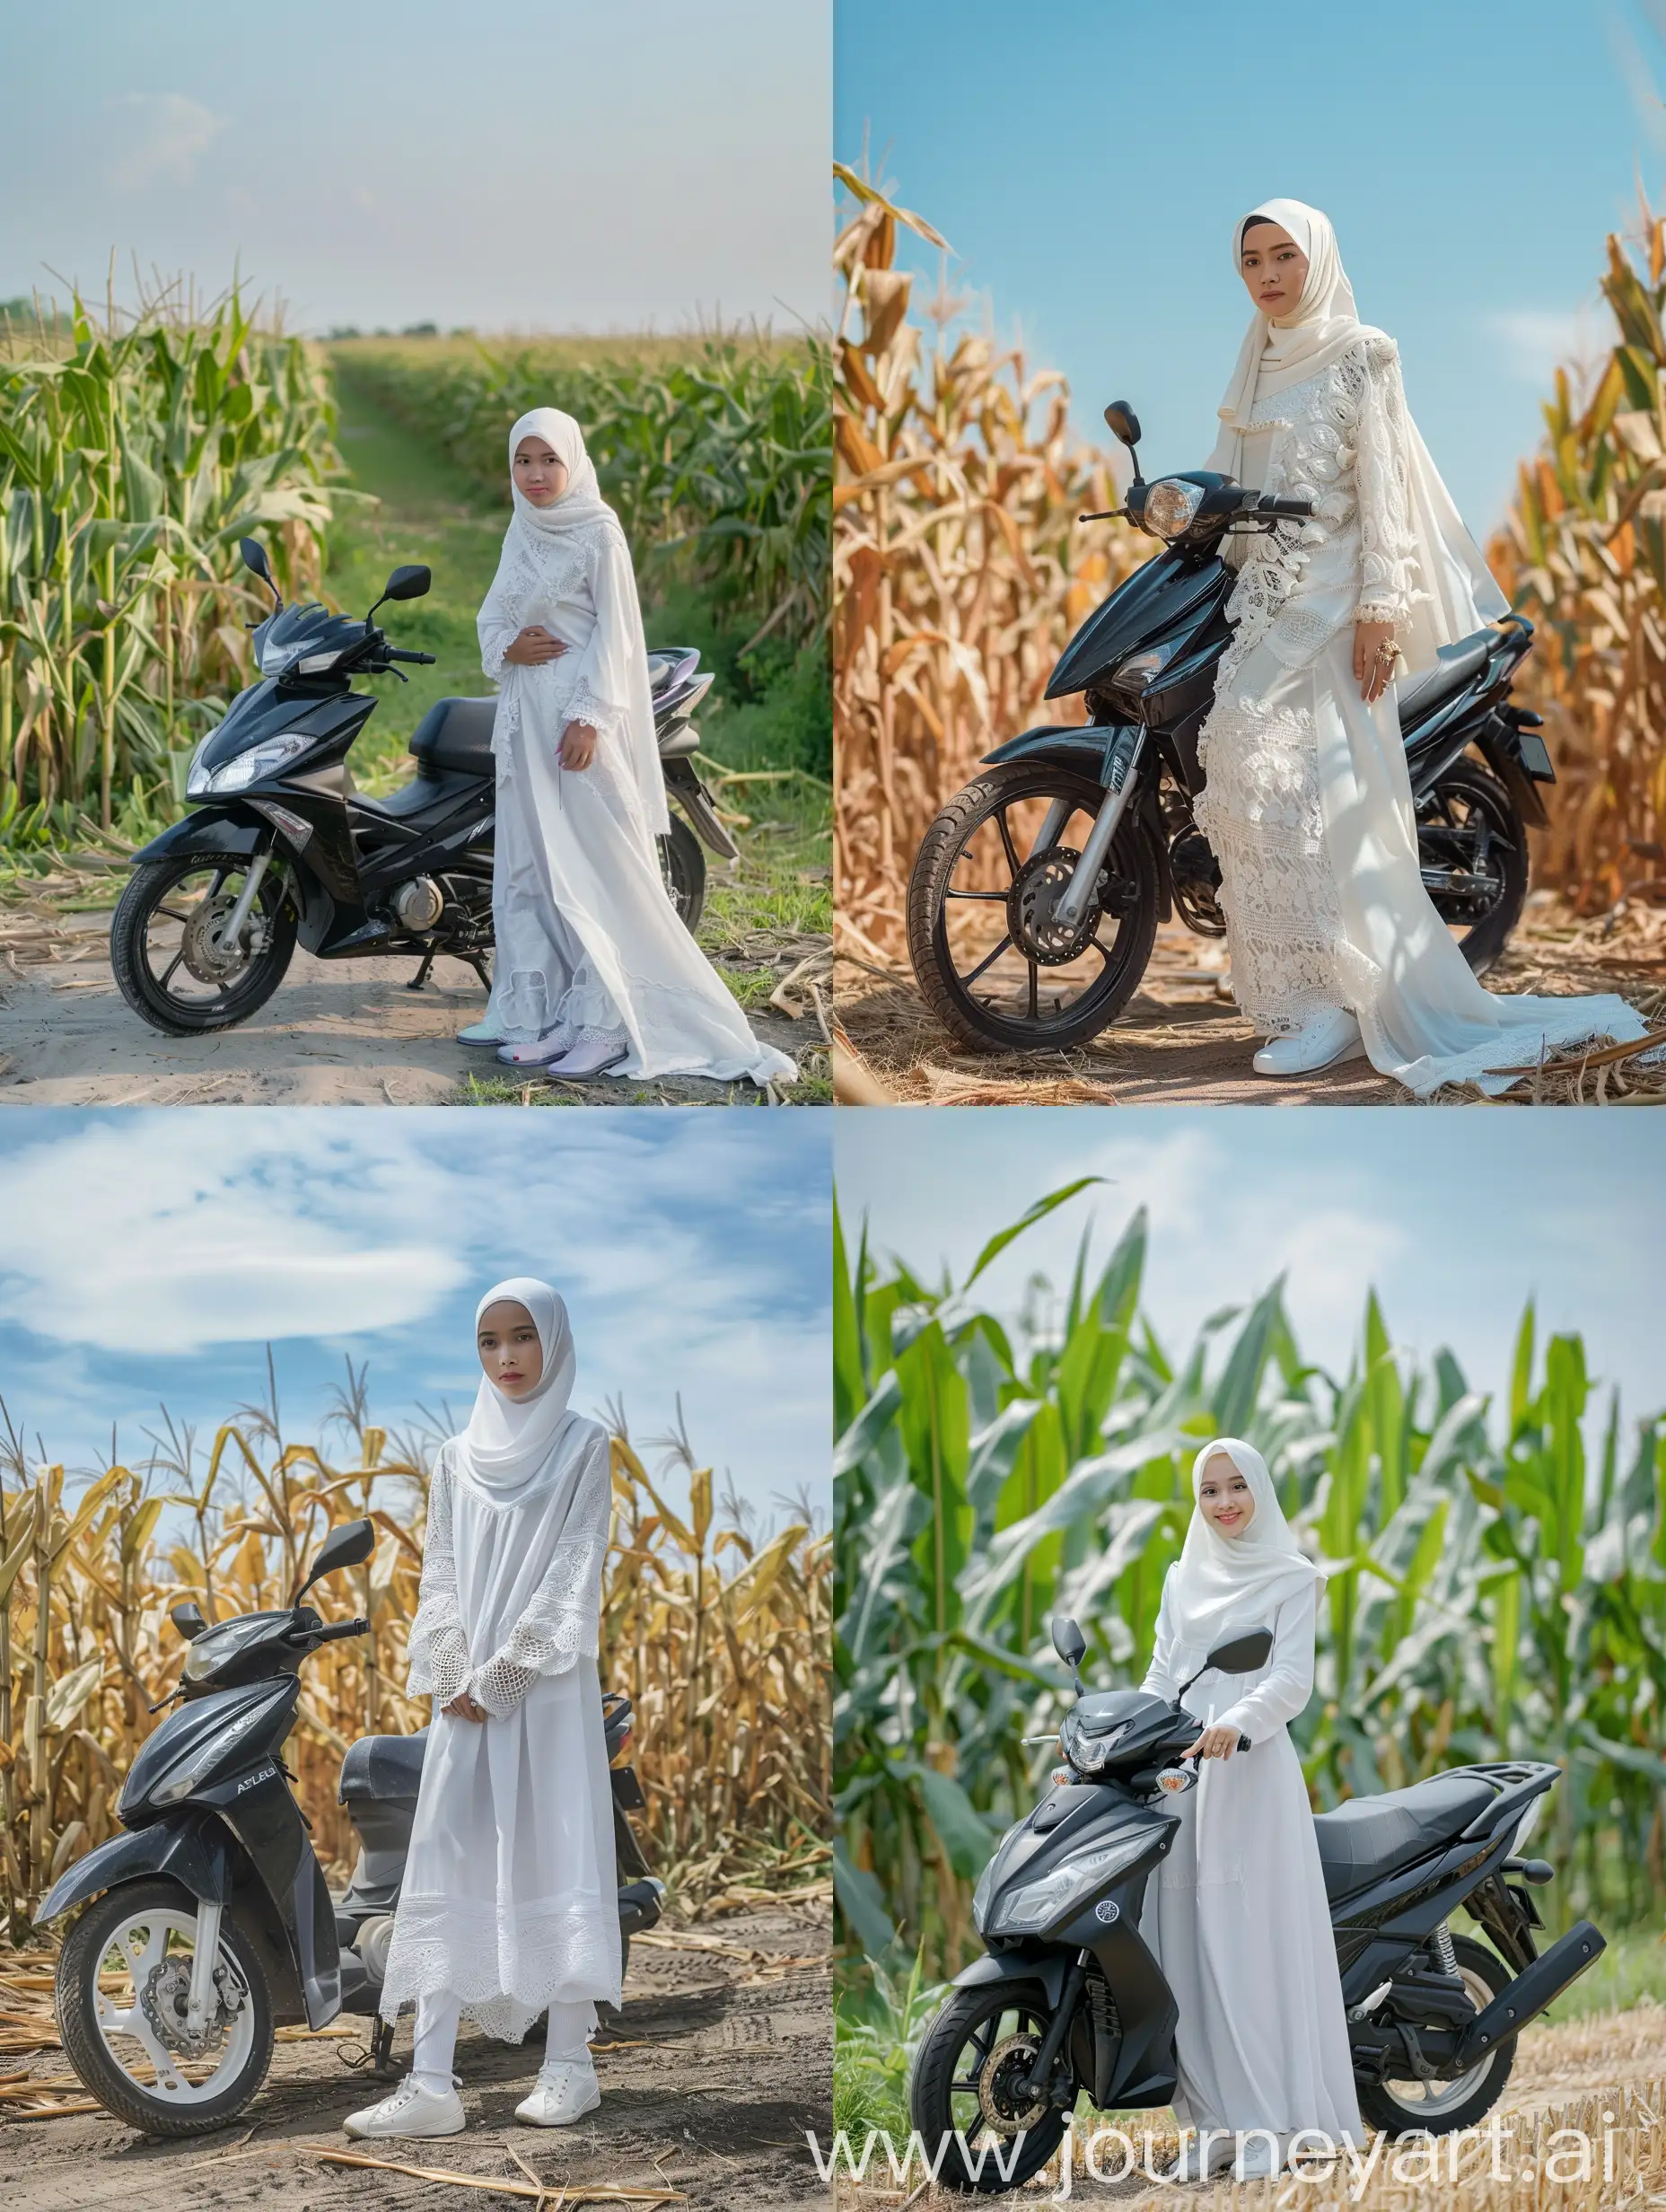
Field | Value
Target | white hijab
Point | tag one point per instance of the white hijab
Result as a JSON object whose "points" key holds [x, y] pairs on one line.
{"points": [[1221, 1582], [616, 659], [516, 1448], [1457, 593]]}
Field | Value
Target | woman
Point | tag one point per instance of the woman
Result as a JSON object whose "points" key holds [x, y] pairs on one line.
{"points": [[594, 970], [1335, 949], [1237, 1916], [510, 1898]]}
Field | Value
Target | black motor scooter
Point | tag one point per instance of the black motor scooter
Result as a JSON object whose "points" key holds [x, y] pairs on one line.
{"points": [[209, 1923], [1034, 899], [283, 848], [1069, 2000]]}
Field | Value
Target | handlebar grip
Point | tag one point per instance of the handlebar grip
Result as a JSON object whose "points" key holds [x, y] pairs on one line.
{"points": [[419, 660], [343, 1627], [1284, 506], [1243, 1741]]}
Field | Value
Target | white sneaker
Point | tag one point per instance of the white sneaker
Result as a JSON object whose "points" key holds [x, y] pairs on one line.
{"points": [[1331, 1036], [479, 1033], [1257, 2161], [593, 1052], [562, 2094], [1189, 2165], [411, 2110], [549, 1047]]}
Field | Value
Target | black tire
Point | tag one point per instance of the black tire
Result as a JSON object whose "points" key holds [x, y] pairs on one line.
{"points": [[979, 2019], [1134, 869], [244, 990], [84, 2046], [682, 864], [1484, 1971], [1466, 803]]}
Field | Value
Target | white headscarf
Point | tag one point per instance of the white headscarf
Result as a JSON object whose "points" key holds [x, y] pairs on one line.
{"points": [[1456, 591], [1221, 1582], [581, 502], [514, 1447]]}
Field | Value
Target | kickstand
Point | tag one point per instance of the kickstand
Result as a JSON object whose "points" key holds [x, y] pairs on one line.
{"points": [[423, 972], [381, 2047], [478, 965]]}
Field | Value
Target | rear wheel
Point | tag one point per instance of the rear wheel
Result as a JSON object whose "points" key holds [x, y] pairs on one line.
{"points": [[992, 960], [124, 1979], [1472, 846], [169, 952], [967, 2085], [1443, 2108], [682, 864]]}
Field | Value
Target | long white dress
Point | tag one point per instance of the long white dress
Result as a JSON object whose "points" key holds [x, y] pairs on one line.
{"points": [[510, 1901], [1308, 804], [586, 933], [1237, 1914]]}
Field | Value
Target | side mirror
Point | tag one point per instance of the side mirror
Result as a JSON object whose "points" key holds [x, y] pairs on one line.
{"points": [[1123, 423], [1069, 1642], [350, 1545], [256, 561], [1244, 1653], [188, 1619], [408, 583]]}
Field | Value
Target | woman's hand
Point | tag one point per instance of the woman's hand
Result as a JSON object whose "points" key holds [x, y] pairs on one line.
{"points": [[1373, 659], [578, 745], [533, 645], [1218, 1741], [465, 1707]]}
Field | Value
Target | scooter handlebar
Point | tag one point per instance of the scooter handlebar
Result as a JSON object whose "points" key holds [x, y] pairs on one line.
{"points": [[419, 660], [334, 1634], [1272, 506]]}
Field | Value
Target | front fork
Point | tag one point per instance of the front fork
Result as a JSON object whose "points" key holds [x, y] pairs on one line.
{"points": [[231, 938], [1122, 757]]}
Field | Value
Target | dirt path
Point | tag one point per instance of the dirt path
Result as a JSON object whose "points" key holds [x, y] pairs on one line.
{"points": [[336, 1033], [1182, 1041], [721, 2064]]}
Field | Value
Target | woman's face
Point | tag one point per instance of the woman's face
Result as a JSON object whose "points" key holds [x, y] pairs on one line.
{"points": [[1225, 1496], [539, 471], [1274, 269], [510, 1351]]}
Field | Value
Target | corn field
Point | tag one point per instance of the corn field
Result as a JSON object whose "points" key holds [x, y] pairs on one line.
{"points": [[721, 1641], [1494, 1590], [1583, 554], [959, 567], [135, 452], [719, 458]]}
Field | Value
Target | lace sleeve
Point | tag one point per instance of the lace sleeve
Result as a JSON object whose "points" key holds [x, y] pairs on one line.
{"points": [[563, 1622], [592, 698], [438, 1648], [1388, 544]]}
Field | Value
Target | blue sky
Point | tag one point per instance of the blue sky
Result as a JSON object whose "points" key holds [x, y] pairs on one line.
{"points": [[1087, 159], [1456, 1218], [148, 1258], [530, 164]]}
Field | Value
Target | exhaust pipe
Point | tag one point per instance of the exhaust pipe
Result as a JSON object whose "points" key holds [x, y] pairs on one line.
{"points": [[1530, 1993]]}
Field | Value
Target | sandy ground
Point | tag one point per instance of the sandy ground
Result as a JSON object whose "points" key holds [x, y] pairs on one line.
{"points": [[724, 2061], [1611, 2064], [335, 1033], [1182, 1041]]}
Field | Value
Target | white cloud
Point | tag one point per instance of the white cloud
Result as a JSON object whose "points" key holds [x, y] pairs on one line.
{"points": [[167, 135], [1535, 342]]}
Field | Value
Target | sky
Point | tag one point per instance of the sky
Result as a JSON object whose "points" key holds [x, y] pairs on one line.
{"points": [[1087, 162], [148, 1258], [533, 165], [1455, 1218]]}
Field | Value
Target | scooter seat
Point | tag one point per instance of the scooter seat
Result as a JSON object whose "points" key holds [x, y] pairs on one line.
{"points": [[379, 1768], [1362, 1839], [1455, 666], [457, 733]]}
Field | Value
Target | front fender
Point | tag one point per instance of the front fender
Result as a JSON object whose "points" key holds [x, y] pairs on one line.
{"points": [[210, 830], [193, 1855], [1077, 746], [1013, 1966]]}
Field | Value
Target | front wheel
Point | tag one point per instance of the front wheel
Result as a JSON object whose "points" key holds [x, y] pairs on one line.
{"points": [[1444, 2107], [682, 864], [169, 952], [1472, 848], [124, 1979], [992, 958], [966, 2095]]}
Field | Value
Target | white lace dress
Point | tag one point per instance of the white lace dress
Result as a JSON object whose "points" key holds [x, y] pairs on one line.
{"points": [[1308, 802], [510, 1902], [586, 934]]}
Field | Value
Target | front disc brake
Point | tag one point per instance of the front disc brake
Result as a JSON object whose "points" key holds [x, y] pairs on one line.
{"points": [[1006, 2105], [1031, 909]]}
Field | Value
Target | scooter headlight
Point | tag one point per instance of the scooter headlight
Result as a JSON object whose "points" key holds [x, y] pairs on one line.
{"points": [[1058, 1895], [1170, 506], [254, 766]]}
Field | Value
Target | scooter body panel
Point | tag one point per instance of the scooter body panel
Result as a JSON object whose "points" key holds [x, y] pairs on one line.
{"points": [[191, 1852]]}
